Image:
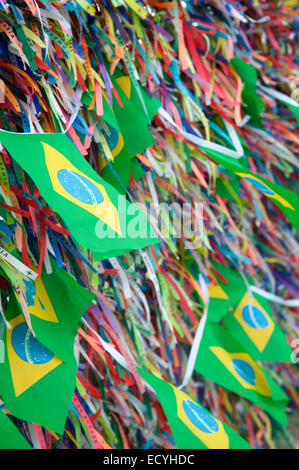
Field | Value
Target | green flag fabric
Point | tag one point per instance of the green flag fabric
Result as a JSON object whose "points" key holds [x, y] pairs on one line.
{"points": [[218, 302], [137, 137], [10, 437], [96, 214], [254, 105], [294, 108], [193, 426], [230, 286], [222, 359]]}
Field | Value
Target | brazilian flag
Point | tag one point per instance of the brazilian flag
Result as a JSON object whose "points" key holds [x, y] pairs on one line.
{"points": [[248, 318], [252, 323], [193, 427], [10, 437], [123, 139], [222, 359], [96, 214], [286, 200], [139, 110], [38, 377]]}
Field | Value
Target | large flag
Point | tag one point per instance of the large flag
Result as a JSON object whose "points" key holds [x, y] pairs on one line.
{"points": [[193, 426], [37, 379], [96, 214], [10, 437], [248, 318], [222, 359]]}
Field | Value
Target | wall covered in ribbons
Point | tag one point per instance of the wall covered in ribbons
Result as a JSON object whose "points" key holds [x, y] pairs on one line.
{"points": [[149, 252]]}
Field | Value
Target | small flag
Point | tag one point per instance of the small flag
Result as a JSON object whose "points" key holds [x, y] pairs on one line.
{"points": [[222, 359], [268, 189], [10, 437], [252, 323], [141, 112], [286, 200], [193, 426], [249, 319], [96, 214]]}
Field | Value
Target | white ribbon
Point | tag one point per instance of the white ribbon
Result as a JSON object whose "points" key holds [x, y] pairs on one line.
{"points": [[22, 268], [110, 349], [198, 336], [274, 298], [278, 95], [123, 277], [236, 154]]}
